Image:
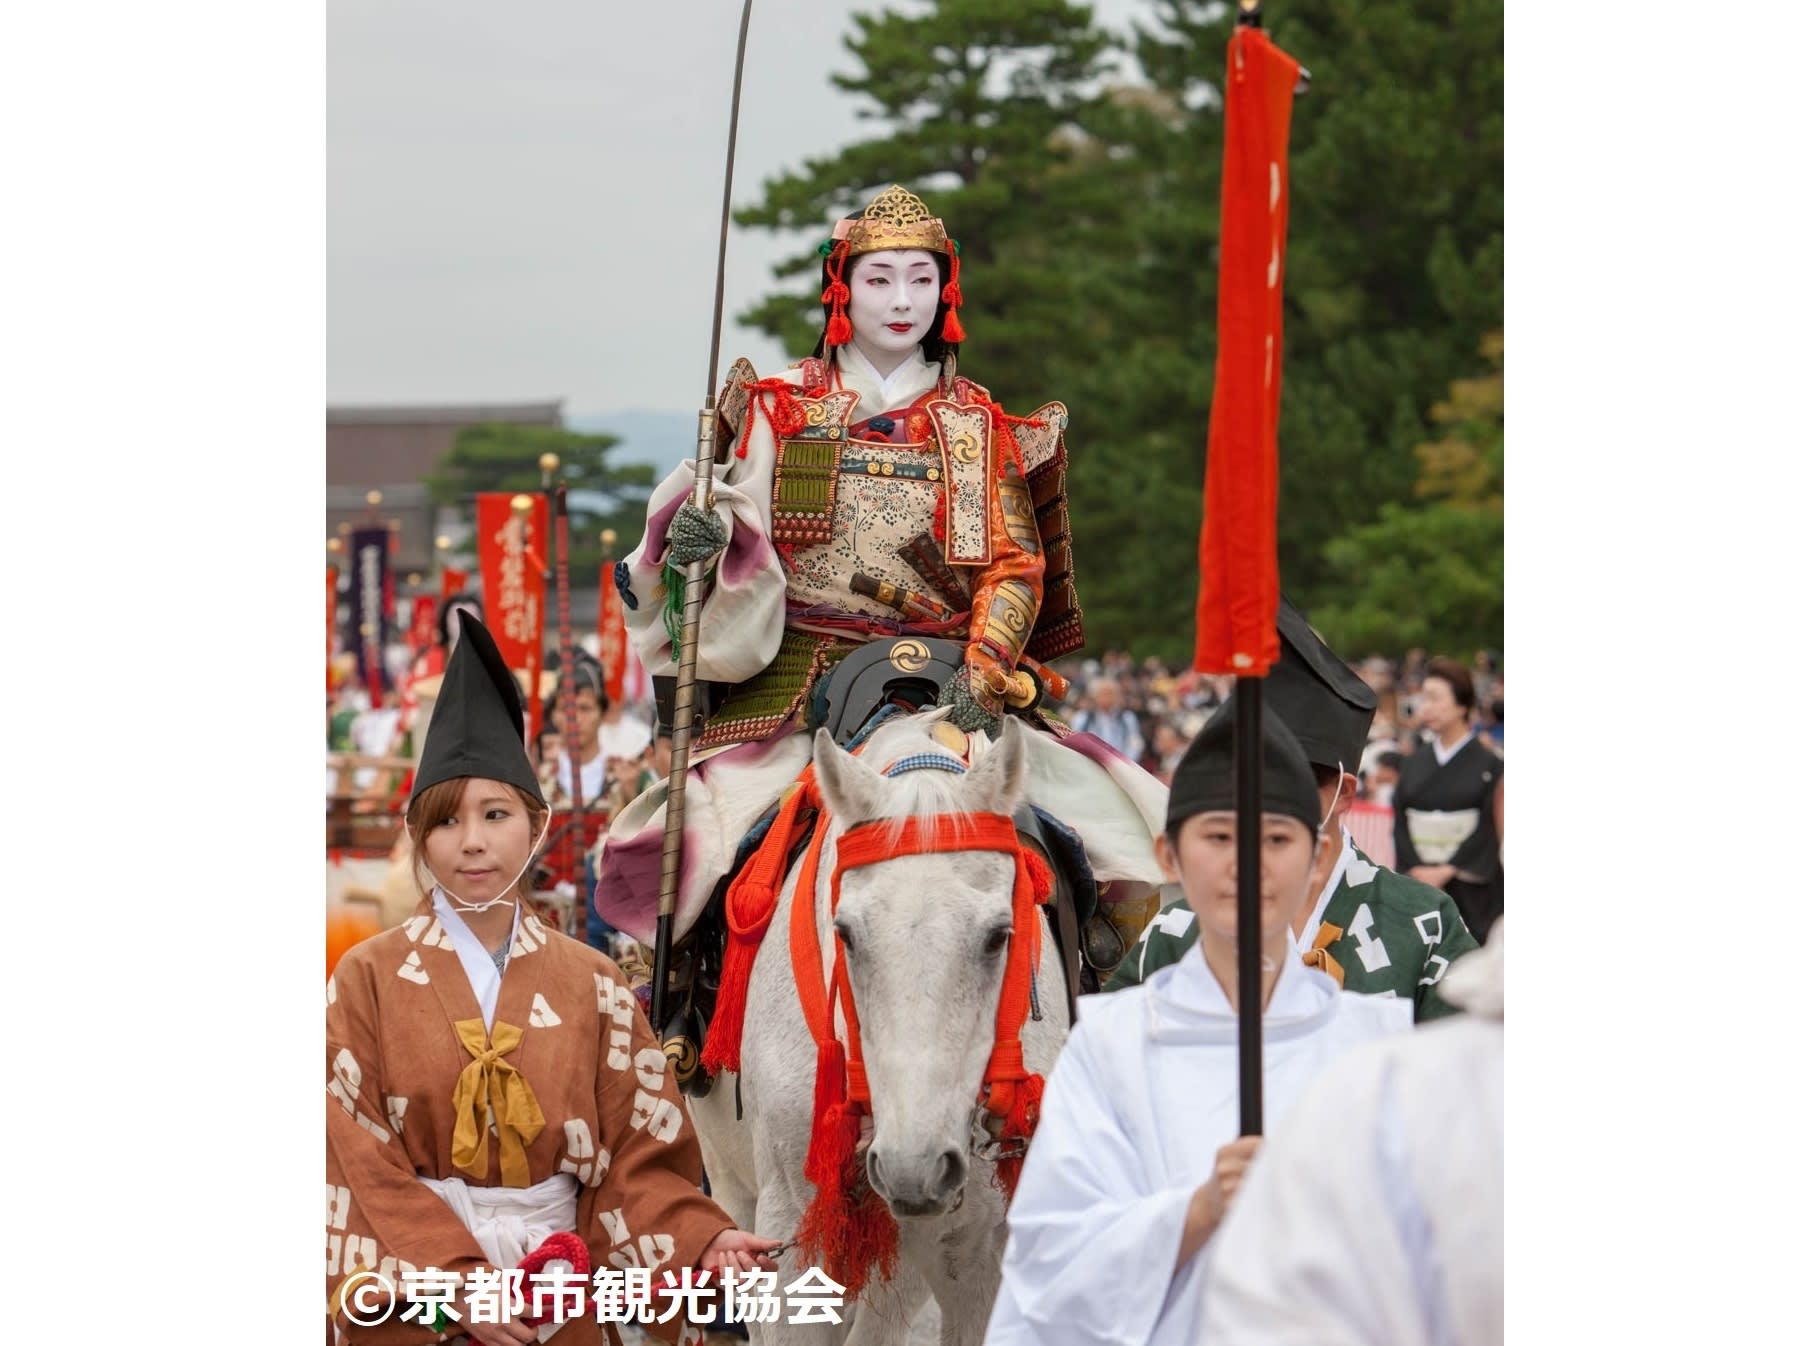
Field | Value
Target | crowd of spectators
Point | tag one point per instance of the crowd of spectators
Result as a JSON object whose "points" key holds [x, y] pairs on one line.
{"points": [[1151, 710], [1147, 709]]}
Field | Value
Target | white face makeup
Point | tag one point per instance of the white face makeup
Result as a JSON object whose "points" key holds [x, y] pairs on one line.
{"points": [[892, 299]]}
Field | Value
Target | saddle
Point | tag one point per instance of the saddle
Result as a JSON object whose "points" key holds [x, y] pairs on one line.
{"points": [[881, 679]]}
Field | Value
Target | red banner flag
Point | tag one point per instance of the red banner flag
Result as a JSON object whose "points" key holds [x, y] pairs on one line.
{"points": [[1237, 604], [613, 641], [423, 624], [454, 582], [515, 586]]}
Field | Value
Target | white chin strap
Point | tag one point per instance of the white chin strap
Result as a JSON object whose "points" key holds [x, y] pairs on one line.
{"points": [[1339, 787], [501, 900]]}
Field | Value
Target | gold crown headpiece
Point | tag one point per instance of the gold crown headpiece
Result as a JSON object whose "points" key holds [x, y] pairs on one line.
{"points": [[895, 218]]}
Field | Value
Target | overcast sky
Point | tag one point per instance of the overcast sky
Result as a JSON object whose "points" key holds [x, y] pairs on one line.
{"points": [[523, 199]]}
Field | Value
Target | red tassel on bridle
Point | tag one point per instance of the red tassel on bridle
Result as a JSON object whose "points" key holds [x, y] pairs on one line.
{"points": [[847, 1228], [1011, 1090]]}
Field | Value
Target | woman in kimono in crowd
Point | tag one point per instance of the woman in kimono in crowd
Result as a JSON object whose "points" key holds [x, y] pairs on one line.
{"points": [[1449, 802], [868, 491], [489, 1081], [1137, 1156]]}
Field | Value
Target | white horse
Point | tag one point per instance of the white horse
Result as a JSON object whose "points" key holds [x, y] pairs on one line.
{"points": [[928, 937]]}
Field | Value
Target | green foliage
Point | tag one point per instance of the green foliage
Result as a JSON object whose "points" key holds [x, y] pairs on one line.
{"points": [[1395, 248], [1430, 573], [980, 102], [1428, 576], [505, 458], [1089, 221]]}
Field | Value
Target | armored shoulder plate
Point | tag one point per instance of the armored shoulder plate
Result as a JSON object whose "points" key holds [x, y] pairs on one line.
{"points": [[732, 405], [1059, 626], [965, 390], [964, 431]]}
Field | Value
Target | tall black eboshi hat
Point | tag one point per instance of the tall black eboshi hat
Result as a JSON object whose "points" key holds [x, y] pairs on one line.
{"points": [[477, 728], [1325, 704]]}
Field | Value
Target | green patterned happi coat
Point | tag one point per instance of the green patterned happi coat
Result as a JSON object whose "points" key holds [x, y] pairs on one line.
{"points": [[1382, 933]]}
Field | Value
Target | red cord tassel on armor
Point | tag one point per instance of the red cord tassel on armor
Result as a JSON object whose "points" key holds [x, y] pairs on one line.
{"points": [[835, 295], [951, 331]]}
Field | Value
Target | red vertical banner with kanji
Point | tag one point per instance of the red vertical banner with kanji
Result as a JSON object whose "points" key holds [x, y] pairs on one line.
{"points": [[613, 641], [515, 586], [1237, 603]]}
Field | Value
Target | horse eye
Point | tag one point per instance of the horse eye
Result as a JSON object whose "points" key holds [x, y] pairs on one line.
{"points": [[997, 941], [846, 937]]}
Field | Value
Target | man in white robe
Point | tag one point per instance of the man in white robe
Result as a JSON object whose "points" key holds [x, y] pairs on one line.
{"points": [[1374, 1216], [1123, 1184]]}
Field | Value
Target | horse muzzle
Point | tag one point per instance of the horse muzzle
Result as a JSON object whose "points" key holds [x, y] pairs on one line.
{"points": [[918, 1184]]}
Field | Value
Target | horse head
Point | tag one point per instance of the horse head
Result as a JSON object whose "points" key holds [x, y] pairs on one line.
{"points": [[927, 938]]}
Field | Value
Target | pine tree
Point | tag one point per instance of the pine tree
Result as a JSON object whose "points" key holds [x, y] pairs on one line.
{"points": [[980, 101], [599, 495], [1088, 216], [1394, 266], [1428, 572]]}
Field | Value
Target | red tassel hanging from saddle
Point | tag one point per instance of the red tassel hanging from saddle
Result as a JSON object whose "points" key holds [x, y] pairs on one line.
{"points": [[748, 907]]}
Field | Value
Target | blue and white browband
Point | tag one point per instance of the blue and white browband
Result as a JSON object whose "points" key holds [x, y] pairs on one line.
{"points": [[925, 761]]}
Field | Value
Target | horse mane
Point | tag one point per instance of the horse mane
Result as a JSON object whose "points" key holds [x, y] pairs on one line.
{"points": [[930, 795]]}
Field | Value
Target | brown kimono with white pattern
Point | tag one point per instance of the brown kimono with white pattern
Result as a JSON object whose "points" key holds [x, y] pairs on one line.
{"points": [[612, 1114]]}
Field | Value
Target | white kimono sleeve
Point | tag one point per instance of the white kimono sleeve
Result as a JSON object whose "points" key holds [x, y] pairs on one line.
{"points": [[1092, 1248], [1354, 1228], [743, 618]]}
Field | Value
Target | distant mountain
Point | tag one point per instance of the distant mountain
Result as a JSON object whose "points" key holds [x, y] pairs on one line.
{"points": [[659, 438]]}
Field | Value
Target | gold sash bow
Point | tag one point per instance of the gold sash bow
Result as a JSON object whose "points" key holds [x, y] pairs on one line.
{"points": [[1321, 958], [489, 1083]]}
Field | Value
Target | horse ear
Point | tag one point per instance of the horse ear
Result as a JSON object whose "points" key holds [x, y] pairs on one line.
{"points": [[994, 784], [850, 788]]}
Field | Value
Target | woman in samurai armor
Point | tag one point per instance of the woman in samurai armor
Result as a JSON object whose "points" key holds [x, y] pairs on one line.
{"points": [[869, 491], [493, 1094]]}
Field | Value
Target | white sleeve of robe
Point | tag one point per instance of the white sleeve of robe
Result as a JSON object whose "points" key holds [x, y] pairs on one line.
{"points": [[1373, 1216], [1091, 1248], [743, 616]]}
